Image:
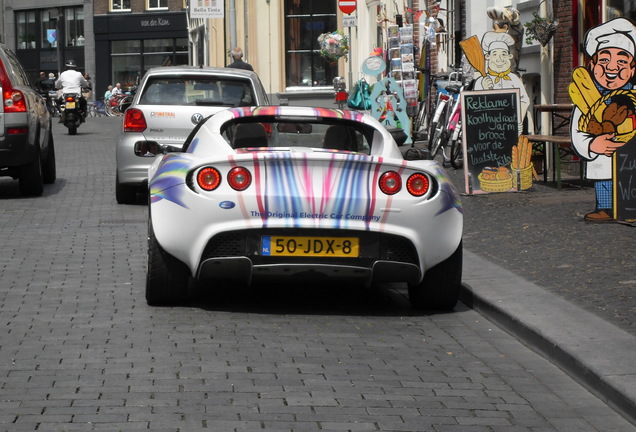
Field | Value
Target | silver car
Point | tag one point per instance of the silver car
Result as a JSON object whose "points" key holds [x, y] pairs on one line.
{"points": [[169, 103], [26, 137]]}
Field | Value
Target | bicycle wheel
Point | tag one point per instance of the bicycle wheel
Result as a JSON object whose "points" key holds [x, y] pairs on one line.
{"points": [[420, 121], [438, 136], [457, 151]]}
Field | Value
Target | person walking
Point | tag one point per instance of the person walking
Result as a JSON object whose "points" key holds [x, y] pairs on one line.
{"points": [[238, 63]]}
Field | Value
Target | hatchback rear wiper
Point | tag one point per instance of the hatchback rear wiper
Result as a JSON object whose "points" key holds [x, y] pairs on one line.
{"points": [[208, 102]]}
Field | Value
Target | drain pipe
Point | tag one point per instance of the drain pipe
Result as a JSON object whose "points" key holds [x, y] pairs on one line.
{"points": [[232, 25]]}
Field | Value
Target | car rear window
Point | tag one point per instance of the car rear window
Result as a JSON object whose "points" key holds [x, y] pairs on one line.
{"points": [[202, 91], [340, 136]]}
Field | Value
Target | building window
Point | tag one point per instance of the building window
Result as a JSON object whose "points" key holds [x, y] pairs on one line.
{"points": [[74, 26], [132, 58], [48, 35], [120, 5], [304, 22], [619, 8], [157, 4], [26, 29]]}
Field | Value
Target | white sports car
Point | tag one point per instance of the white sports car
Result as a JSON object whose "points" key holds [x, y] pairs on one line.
{"points": [[300, 193]]}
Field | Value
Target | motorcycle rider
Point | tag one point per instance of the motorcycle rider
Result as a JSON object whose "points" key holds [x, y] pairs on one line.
{"points": [[72, 81]]}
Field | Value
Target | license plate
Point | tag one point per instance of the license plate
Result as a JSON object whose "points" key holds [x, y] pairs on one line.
{"points": [[70, 105], [348, 247]]}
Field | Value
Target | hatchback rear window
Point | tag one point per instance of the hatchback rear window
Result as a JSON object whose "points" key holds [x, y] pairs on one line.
{"points": [[203, 91]]}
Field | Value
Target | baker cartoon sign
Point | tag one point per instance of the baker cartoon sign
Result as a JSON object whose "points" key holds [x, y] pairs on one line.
{"points": [[603, 121], [496, 157]]}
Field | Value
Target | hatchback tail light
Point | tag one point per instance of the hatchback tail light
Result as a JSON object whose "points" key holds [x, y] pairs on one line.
{"points": [[134, 120], [13, 99]]}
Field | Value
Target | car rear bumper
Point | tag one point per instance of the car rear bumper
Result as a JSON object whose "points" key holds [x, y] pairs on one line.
{"points": [[237, 256], [15, 151]]}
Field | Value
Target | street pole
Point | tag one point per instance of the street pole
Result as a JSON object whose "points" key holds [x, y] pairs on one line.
{"points": [[350, 61]]}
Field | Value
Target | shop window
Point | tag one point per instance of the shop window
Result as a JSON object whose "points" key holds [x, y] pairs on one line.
{"points": [[620, 8], [304, 22], [157, 4], [48, 35], [132, 58], [26, 29], [120, 5], [74, 26]]}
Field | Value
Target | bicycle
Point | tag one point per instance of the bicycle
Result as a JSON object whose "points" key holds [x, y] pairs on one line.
{"points": [[455, 129], [419, 130], [439, 134]]}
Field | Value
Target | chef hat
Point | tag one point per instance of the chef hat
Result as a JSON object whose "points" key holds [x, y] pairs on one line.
{"points": [[493, 40], [617, 33]]}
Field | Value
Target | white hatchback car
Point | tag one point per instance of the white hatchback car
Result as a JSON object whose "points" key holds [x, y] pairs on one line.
{"points": [[169, 102]]}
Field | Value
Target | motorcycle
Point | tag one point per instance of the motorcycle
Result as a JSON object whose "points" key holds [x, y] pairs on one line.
{"points": [[72, 115]]}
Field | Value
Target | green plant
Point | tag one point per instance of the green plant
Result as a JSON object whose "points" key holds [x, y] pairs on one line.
{"points": [[540, 29]]}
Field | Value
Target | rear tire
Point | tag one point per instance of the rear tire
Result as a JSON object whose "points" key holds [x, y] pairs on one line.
{"points": [[125, 194], [49, 172], [72, 129], [30, 179], [439, 290], [167, 277]]}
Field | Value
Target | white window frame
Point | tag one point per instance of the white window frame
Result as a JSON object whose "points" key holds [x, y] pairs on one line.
{"points": [[120, 9], [148, 7]]}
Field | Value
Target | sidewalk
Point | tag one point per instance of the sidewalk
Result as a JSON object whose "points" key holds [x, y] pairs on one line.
{"points": [[563, 286]]}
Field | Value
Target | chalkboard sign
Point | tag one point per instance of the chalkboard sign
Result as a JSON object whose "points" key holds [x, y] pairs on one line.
{"points": [[490, 132], [624, 176]]}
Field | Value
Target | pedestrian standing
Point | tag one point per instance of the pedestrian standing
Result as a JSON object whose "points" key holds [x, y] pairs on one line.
{"points": [[238, 63]]}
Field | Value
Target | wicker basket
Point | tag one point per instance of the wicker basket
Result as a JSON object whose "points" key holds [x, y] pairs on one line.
{"points": [[626, 130], [522, 179], [503, 185]]}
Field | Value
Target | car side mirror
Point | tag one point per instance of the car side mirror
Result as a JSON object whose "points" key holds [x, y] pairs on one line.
{"points": [[148, 148]]}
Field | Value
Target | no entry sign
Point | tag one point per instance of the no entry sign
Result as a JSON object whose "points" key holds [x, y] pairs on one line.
{"points": [[347, 6]]}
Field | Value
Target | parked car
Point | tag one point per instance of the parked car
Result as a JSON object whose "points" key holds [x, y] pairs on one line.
{"points": [[168, 103], [26, 135], [300, 193]]}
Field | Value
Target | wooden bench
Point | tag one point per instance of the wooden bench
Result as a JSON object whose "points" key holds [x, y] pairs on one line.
{"points": [[560, 145]]}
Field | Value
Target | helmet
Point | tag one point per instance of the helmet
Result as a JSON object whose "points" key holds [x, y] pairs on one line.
{"points": [[71, 64]]}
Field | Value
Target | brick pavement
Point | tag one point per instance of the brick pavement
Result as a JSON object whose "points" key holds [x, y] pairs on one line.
{"points": [[81, 351]]}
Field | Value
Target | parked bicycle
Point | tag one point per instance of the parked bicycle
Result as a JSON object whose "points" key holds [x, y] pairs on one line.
{"points": [[438, 133]]}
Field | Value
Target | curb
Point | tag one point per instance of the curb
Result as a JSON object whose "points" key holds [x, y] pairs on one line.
{"points": [[595, 353]]}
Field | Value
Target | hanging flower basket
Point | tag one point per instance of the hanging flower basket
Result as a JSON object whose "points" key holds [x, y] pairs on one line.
{"points": [[541, 29], [333, 46]]}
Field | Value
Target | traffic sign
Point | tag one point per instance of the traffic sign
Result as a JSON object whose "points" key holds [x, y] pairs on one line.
{"points": [[347, 6], [349, 21]]}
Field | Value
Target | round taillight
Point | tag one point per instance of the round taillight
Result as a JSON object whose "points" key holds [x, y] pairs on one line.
{"points": [[209, 179], [418, 184], [390, 183], [239, 178]]}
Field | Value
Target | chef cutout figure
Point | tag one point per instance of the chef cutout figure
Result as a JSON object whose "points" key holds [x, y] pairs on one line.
{"points": [[497, 48], [604, 100]]}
